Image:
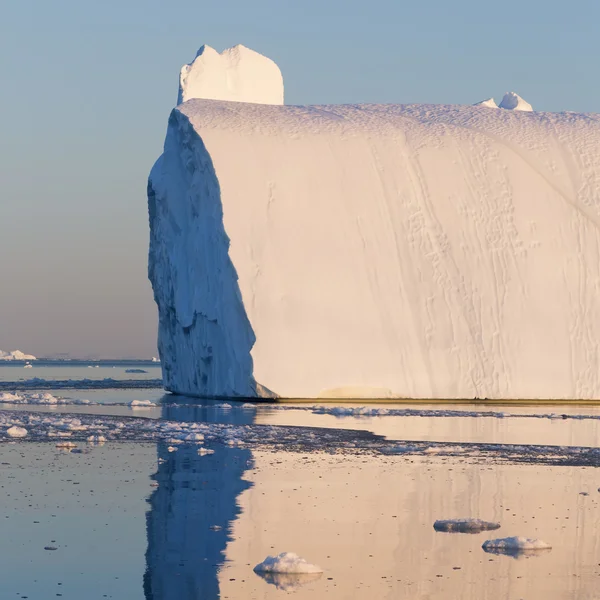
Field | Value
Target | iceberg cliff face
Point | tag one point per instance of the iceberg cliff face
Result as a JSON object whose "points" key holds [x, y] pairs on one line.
{"points": [[390, 251]]}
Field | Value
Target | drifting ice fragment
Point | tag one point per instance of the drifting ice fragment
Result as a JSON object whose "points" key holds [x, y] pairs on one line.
{"points": [[515, 546], [16, 432], [286, 562], [464, 525]]}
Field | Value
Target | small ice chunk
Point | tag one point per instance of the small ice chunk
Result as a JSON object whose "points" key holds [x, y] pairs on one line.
{"points": [[44, 398], [193, 437], [512, 101], [16, 432], [286, 562], [464, 525], [489, 103], [5, 397], [514, 544], [141, 404], [205, 451]]}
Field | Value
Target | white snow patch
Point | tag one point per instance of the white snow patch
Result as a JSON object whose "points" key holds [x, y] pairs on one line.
{"points": [[286, 562], [512, 101], [16, 432], [237, 74]]}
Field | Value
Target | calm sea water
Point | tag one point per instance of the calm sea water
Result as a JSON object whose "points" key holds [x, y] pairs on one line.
{"points": [[135, 520], [53, 370]]}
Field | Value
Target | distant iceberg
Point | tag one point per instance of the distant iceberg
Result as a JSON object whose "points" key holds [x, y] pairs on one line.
{"points": [[16, 355]]}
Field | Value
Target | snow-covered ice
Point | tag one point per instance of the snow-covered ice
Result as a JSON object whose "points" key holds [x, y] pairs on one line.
{"points": [[408, 251], [237, 74], [465, 525], [286, 562], [512, 101]]}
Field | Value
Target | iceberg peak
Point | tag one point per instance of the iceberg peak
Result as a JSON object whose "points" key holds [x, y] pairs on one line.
{"points": [[238, 74], [489, 103], [513, 101]]}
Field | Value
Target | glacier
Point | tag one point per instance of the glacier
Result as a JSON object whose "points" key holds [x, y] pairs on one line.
{"points": [[377, 251]]}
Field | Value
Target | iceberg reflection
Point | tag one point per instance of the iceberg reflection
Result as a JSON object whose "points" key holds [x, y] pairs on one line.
{"points": [[191, 511]]}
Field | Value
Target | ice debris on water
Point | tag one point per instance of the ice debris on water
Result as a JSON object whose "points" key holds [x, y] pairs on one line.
{"points": [[16, 432], [515, 544], [142, 404], [286, 562], [464, 525], [96, 439]]}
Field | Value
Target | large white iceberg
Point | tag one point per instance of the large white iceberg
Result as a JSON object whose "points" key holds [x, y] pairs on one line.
{"points": [[415, 251]]}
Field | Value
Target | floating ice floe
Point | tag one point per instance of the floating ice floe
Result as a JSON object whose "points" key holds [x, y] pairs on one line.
{"points": [[464, 525], [6, 398], [286, 562], [515, 546], [142, 404], [16, 432], [205, 451]]}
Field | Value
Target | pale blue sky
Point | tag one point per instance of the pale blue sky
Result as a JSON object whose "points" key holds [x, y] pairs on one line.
{"points": [[88, 86]]}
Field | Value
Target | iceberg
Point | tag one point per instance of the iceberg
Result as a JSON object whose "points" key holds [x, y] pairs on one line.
{"points": [[512, 101], [237, 73], [387, 251], [16, 355], [489, 103]]}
